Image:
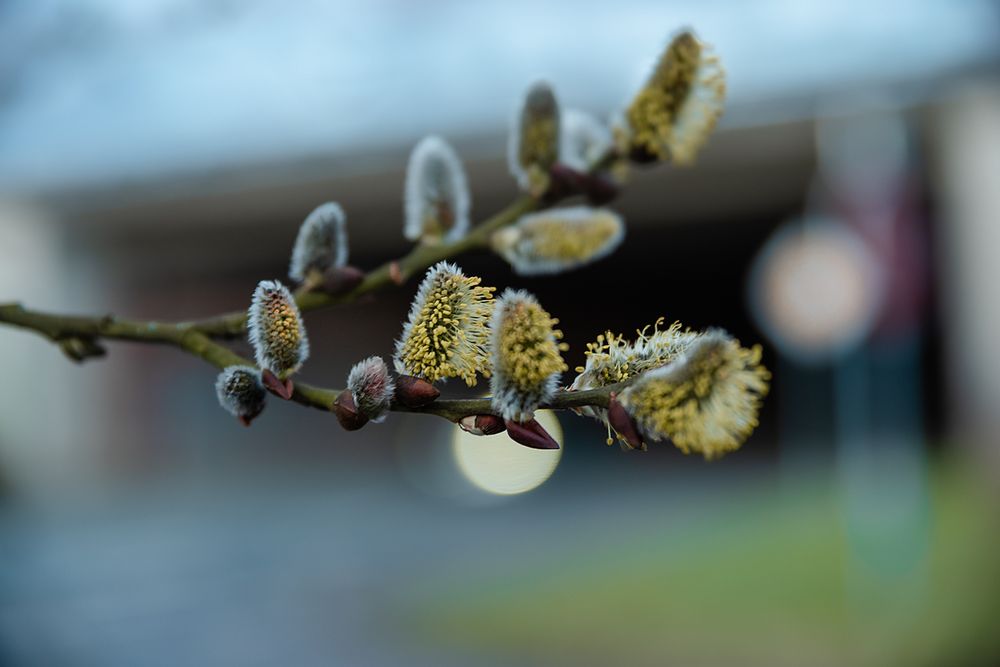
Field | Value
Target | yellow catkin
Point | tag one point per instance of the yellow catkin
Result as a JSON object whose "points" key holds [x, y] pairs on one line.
{"points": [[612, 358], [447, 334], [672, 116], [706, 401], [560, 239], [276, 329], [551, 239], [526, 355], [282, 335], [535, 139], [539, 141], [530, 355]]}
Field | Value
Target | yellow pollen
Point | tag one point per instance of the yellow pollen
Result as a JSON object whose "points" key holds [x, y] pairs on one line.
{"points": [[528, 347], [282, 335], [447, 336], [673, 114], [550, 237], [707, 401]]}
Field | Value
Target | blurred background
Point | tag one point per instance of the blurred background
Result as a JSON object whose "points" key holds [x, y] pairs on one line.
{"points": [[156, 159]]}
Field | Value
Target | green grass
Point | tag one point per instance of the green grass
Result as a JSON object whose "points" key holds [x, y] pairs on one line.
{"points": [[780, 581]]}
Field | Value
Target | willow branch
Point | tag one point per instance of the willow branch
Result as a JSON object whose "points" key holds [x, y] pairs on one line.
{"points": [[79, 332], [79, 337], [390, 274]]}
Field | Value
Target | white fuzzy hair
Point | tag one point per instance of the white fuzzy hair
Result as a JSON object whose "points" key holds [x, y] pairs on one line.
{"points": [[435, 173], [321, 242]]}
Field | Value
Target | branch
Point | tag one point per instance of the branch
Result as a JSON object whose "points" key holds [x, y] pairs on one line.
{"points": [[89, 330], [79, 337], [669, 119], [423, 256]]}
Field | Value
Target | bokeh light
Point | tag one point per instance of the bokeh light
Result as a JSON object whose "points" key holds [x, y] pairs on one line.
{"points": [[815, 289], [498, 465]]}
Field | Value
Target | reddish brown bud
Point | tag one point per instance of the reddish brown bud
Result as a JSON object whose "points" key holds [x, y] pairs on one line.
{"points": [[482, 424], [340, 279], [563, 181], [624, 425], [347, 412], [530, 434], [414, 392], [490, 424], [281, 388], [598, 188]]}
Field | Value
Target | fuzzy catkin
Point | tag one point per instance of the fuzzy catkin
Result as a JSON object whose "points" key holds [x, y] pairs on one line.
{"points": [[527, 362], [276, 330], [437, 200]]}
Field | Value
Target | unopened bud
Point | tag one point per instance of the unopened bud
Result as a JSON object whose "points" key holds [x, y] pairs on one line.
{"points": [[565, 181], [530, 434], [321, 243], [414, 392], [347, 413], [372, 388], [624, 425], [277, 386], [599, 188], [341, 279], [482, 424], [241, 393]]}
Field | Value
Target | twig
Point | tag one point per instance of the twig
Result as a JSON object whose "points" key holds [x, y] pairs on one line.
{"points": [[62, 328], [233, 325], [79, 336]]}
